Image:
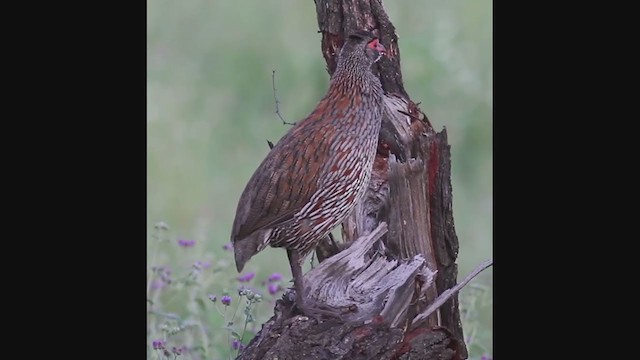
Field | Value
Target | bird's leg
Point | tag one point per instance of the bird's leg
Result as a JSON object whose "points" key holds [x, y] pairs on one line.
{"points": [[296, 271], [309, 308]]}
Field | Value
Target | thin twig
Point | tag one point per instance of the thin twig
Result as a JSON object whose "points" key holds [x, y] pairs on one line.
{"points": [[275, 98], [440, 300]]}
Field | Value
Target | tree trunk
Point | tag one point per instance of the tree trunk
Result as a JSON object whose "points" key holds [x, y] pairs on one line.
{"points": [[399, 246]]}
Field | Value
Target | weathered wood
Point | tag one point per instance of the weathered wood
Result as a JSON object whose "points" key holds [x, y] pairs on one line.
{"points": [[299, 338], [379, 287], [444, 237], [409, 233], [371, 285], [447, 294], [382, 281]]}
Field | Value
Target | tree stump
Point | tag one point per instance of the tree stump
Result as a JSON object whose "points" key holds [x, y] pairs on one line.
{"points": [[399, 246]]}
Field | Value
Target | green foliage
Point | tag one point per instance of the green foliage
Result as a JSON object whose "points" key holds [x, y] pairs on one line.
{"points": [[210, 111]]}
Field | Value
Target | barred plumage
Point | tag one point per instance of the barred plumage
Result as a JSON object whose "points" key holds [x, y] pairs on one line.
{"points": [[315, 175]]}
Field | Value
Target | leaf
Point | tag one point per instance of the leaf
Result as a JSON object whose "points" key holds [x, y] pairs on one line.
{"points": [[233, 332]]}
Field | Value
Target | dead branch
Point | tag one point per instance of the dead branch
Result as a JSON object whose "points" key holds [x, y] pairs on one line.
{"points": [[450, 292]]}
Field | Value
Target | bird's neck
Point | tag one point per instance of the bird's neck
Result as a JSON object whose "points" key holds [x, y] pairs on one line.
{"points": [[354, 77]]}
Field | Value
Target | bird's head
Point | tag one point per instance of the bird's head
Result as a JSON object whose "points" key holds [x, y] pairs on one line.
{"points": [[367, 43], [375, 50]]}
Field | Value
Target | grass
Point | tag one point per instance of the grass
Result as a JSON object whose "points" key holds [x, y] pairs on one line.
{"points": [[210, 111]]}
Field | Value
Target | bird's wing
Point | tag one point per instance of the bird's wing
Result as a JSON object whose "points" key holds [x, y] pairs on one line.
{"points": [[285, 180]]}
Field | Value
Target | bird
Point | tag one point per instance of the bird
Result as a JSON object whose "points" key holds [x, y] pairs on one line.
{"points": [[313, 177]]}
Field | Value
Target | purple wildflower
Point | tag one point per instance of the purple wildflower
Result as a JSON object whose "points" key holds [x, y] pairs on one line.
{"points": [[165, 274], [177, 350], [186, 243], [228, 246], [212, 297], [162, 278], [485, 357], [246, 277], [275, 277], [158, 344], [273, 288], [226, 300], [236, 344], [158, 284]]}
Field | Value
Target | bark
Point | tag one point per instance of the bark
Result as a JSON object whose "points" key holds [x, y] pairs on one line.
{"points": [[399, 247]]}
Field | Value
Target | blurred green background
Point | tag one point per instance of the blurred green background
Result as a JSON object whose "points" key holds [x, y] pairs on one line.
{"points": [[210, 110]]}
